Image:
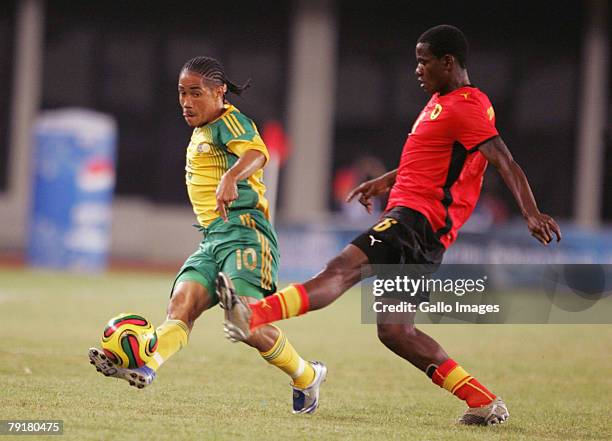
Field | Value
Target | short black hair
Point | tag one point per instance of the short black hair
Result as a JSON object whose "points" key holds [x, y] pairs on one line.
{"points": [[212, 70], [446, 39]]}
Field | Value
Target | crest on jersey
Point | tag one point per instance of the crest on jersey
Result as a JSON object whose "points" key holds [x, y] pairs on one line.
{"points": [[437, 110], [203, 147]]}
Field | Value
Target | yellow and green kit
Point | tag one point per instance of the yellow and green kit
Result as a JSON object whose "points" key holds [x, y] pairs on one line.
{"points": [[245, 247]]}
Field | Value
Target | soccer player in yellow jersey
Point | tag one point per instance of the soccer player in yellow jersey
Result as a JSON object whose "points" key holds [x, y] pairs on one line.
{"points": [[224, 171]]}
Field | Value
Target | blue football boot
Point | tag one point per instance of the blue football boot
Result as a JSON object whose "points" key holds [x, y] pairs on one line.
{"points": [[307, 400]]}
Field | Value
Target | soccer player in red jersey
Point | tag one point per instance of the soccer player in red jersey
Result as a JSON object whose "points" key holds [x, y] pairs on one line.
{"points": [[433, 192]]}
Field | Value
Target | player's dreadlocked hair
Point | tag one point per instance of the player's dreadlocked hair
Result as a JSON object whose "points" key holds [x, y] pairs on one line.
{"points": [[212, 70], [446, 39]]}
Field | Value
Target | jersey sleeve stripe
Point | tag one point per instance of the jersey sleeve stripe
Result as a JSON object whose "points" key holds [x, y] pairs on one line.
{"points": [[234, 126], [232, 121], [229, 126], [237, 123]]}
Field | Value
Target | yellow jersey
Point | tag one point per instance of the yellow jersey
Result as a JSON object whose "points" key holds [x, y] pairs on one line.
{"points": [[214, 148]]}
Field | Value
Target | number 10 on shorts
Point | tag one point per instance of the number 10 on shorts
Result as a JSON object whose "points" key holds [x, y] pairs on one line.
{"points": [[247, 258]]}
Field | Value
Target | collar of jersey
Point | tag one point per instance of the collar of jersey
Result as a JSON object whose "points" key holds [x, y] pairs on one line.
{"points": [[455, 91], [230, 108]]}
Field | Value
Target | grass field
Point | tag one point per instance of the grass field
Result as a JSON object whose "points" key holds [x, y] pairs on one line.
{"points": [[555, 379]]}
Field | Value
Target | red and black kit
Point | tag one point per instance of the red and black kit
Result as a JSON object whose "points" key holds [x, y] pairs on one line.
{"points": [[438, 180]]}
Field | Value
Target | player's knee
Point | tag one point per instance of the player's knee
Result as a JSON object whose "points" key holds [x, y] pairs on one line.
{"points": [[187, 303], [393, 334], [342, 273], [180, 307]]}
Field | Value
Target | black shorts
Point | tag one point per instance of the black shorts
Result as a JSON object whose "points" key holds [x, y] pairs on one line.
{"points": [[402, 242]]}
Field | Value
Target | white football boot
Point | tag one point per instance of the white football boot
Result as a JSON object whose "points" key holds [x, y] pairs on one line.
{"points": [[139, 377], [494, 413], [237, 312], [307, 400]]}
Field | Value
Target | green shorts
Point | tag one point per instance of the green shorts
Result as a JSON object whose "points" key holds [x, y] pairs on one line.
{"points": [[245, 248]]}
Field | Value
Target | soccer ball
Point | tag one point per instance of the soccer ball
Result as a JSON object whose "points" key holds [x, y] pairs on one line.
{"points": [[129, 340]]}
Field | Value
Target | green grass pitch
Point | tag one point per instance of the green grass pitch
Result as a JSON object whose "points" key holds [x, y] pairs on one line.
{"points": [[555, 379]]}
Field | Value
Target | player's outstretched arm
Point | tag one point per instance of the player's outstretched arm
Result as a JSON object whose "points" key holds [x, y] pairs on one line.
{"points": [[227, 191], [372, 188], [541, 226]]}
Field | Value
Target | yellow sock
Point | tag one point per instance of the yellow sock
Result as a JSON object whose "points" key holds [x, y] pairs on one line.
{"points": [[172, 336], [285, 357]]}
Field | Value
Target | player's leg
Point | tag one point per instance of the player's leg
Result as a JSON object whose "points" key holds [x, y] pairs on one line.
{"points": [[190, 296], [189, 299], [248, 255], [421, 249], [192, 293], [341, 273], [397, 332], [276, 349], [273, 345]]}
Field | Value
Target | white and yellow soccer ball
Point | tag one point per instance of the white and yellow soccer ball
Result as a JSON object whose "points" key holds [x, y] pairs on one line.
{"points": [[129, 340]]}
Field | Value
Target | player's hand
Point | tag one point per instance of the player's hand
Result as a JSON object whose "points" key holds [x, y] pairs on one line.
{"points": [[542, 227], [367, 191], [227, 192]]}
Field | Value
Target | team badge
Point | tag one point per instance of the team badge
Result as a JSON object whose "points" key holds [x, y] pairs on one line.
{"points": [[437, 110], [203, 147]]}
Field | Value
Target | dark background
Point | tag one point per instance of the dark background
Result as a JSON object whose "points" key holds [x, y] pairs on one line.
{"points": [[123, 58]]}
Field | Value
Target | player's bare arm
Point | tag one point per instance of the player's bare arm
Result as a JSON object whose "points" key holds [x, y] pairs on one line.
{"points": [[541, 226], [227, 191], [372, 188]]}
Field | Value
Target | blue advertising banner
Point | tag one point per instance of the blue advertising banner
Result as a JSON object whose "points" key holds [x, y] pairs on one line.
{"points": [[306, 249], [73, 183]]}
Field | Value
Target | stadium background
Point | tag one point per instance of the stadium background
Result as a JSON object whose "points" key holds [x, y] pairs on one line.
{"points": [[338, 76]]}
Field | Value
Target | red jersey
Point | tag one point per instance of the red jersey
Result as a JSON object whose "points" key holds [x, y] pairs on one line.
{"points": [[441, 170]]}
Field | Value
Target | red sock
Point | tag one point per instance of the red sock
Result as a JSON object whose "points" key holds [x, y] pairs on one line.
{"points": [[457, 381], [288, 302]]}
